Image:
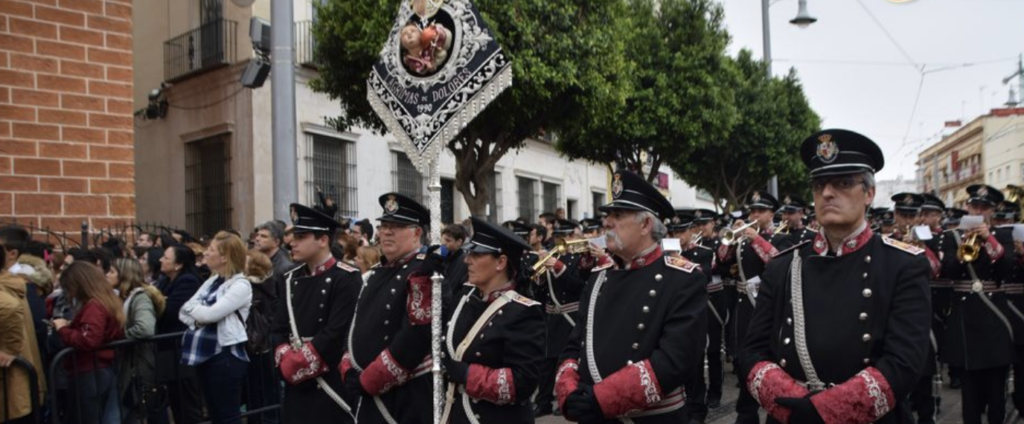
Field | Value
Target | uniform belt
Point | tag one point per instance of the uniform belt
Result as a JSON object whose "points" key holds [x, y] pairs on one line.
{"points": [[1013, 288], [941, 284], [671, 402], [967, 286], [715, 287], [565, 309], [728, 282]]}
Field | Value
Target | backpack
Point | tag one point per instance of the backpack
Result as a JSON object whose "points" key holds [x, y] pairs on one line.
{"points": [[257, 326]]}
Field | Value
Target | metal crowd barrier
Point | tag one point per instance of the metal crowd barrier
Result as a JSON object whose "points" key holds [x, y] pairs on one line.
{"points": [[178, 383], [33, 386]]}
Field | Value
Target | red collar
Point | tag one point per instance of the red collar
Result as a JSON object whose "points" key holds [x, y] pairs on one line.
{"points": [[322, 268], [494, 295], [849, 245], [643, 260], [401, 261]]}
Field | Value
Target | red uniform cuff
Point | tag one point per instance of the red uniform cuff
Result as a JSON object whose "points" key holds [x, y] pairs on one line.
{"points": [[863, 399], [633, 388], [767, 382], [994, 248], [383, 374], [345, 365], [559, 268], [418, 301], [299, 365], [493, 385], [567, 379], [764, 249]]}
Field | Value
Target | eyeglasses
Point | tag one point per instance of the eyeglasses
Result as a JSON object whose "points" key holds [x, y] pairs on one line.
{"points": [[394, 226], [841, 183]]}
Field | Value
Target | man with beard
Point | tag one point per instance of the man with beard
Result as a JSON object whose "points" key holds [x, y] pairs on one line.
{"points": [[793, 215], [642, 322]]}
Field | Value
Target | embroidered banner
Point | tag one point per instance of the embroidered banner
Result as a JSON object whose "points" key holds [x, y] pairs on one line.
{"points": [[439, 68]]}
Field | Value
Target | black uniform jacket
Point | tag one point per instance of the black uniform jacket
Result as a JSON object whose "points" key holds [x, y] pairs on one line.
{"points": [[867, 317], [643, 326], [978, 333], [390, 342], [323, 304], [504, 357], [566, 286]]}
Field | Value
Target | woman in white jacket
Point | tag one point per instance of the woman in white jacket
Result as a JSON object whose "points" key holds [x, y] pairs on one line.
{"points": [[215, 340]]}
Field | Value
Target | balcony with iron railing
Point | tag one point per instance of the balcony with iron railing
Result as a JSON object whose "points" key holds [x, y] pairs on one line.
{"points": [[210, 46]]}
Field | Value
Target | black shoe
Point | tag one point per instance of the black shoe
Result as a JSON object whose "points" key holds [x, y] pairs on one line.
{"points": [[540, 411], [714, 403], [955, 383]]}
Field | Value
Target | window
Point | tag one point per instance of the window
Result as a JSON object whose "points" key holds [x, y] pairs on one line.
{"points": [[597, 201], [447, 201], [570, 209], [405, 179], [550, 200], [495, 216], [208, 186], [527, 201], [330, 165]]}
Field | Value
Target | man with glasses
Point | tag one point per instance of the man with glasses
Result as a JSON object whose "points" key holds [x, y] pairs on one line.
{"points": [[388, 360], [753, 248], [840, 333]]}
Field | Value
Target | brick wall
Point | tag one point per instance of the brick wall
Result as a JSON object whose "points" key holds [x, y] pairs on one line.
{"points": [[66, 126]]}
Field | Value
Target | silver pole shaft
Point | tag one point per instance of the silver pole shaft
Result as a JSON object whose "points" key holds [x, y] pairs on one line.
{"points": [[282, 78], [435, 304], [773, 183]]}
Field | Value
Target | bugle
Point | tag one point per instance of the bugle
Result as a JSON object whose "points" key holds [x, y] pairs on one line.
{"points": [[561, 247], [970, 249], [730, 236]]}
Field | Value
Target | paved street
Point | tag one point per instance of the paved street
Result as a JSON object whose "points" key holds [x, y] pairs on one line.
{"points": [[949, 412]]}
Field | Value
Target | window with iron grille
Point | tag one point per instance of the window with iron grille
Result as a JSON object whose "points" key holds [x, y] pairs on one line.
{"points": [[495, 215], [597, 201], [550, 197], [527, 198], [208, 185], [447, 201], [331, 167], [405, 179]]}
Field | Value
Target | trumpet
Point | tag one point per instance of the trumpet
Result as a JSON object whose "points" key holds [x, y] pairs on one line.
{"points": [[782, 229], [731, 236], [969, 250], [561, 247]]}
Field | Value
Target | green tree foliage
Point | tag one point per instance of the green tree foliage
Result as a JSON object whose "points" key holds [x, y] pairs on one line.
{"points": [[567, 62], [681, 89], [773, 118]]}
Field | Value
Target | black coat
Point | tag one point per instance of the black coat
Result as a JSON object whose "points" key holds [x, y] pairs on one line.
{"points": [[177, 293], [654, 311], [976, 337], [382, 322], [567, 286], [752, 257], [323, 305], [508, 352], [866, 308]]}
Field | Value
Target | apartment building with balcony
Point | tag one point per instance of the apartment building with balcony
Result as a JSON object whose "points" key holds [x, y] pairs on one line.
{"points": [[206, 163], [987, 150]]}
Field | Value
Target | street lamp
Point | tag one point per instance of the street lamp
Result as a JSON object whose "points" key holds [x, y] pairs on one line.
{"points": [[802, 20]]}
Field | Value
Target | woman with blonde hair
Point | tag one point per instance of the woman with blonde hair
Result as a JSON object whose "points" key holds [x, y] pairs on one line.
{"points": [[143, 304], [99, 321], [366, 258], [215, 340]]}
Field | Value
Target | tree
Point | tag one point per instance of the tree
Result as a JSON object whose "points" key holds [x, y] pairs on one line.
{"points": [[681, 96], [773, 118], [567, 63]]}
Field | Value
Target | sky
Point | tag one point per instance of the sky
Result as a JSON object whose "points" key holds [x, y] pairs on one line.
{"points": [[866, 63]]}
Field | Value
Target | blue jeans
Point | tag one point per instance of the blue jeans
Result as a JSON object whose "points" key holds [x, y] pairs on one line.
{"points": [[94, 397], [222, 377]]}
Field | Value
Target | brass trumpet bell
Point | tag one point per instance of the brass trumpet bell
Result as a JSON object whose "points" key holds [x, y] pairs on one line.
{"points": [[969, 250], [561, 247], [732, 236]]}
